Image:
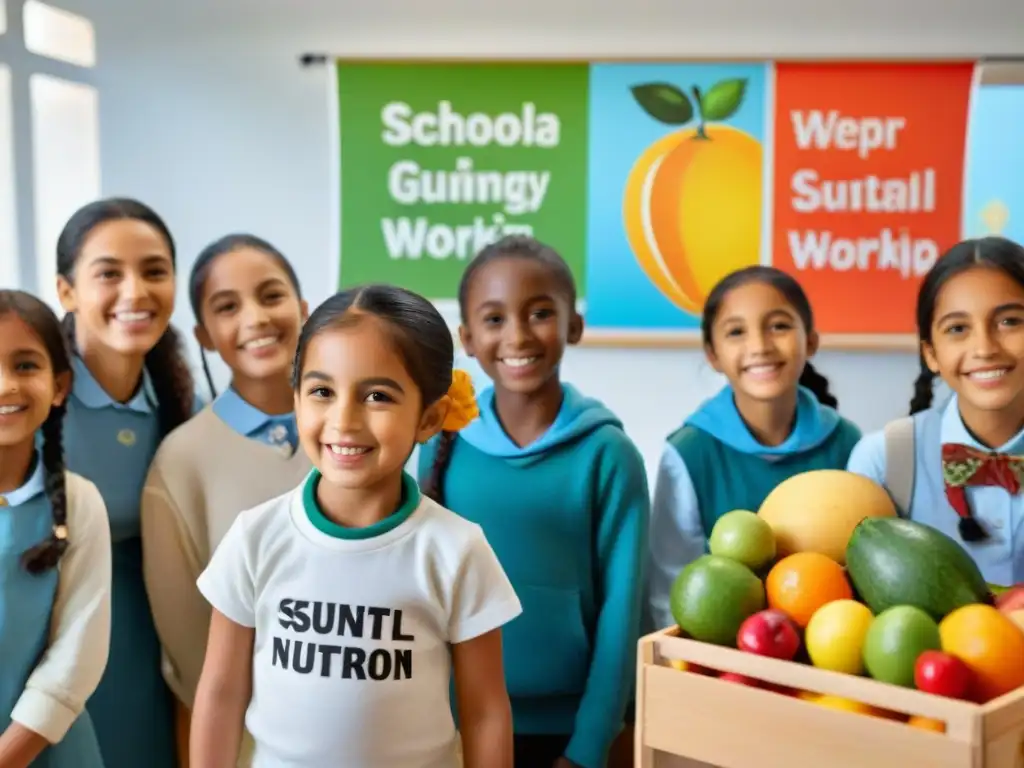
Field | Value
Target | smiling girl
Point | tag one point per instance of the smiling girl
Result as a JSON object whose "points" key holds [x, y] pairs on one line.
{"points": [[341, 607], [774, 419], [236, 453], [54, 555], [945, 466], [565, 505], [115, 264]]}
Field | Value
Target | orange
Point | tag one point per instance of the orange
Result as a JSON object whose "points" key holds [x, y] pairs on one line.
{"points": [[990, 644], [927, 723], [800, 584], [692, 210]]}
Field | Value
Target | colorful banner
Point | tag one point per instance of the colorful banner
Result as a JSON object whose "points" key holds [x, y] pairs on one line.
{"points": [[868, 184], [654, 181], [437, 160]]}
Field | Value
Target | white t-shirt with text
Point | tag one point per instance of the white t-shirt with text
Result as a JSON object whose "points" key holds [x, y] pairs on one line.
{"points": [[351, 660]]}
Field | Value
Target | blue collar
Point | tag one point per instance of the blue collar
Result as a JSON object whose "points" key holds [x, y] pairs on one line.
{"points": [[90, 394], [953, 430], [241, 416], [32, 487]]}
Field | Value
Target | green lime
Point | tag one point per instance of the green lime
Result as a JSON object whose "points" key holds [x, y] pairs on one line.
{"points": [[712, 596], [895, 639], [744, 537]]}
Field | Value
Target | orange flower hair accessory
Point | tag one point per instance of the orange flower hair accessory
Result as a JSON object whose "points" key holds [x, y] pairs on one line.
{"points": [[462, 408]]}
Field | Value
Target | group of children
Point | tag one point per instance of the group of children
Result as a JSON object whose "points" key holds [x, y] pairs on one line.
{"points": [[261, 580]]}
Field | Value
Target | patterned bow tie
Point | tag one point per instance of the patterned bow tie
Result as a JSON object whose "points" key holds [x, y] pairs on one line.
{"points": [[963, 466]]}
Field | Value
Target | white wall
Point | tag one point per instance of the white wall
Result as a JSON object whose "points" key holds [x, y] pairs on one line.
{"points": [[206, 115]]}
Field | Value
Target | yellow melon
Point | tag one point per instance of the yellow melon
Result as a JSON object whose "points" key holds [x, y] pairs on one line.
{"points": [[817, 511]]}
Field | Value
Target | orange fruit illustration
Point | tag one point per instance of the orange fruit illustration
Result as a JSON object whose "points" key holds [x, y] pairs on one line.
{"points": [[692, 203], [800, 584]]}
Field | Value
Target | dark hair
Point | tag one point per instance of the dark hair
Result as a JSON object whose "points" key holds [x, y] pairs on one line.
{"points": [[41, 319], [992, 252], [201, 272], [508, 247], [794, 295], [418, 330], [518, 247], [165, 362]]}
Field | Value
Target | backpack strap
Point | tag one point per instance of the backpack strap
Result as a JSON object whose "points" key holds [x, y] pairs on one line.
{"points": [[899, 462]]}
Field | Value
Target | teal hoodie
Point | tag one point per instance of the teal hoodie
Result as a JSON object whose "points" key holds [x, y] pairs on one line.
{"points": [[567, 516], [713, 465]]}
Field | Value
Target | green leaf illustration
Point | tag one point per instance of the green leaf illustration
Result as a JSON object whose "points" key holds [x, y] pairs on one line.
{"points": [[723, 99], [664, 102]]}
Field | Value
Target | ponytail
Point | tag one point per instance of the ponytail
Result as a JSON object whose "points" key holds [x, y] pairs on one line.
{"points": [[433, 488], [47, 554], [818, 385], [923, 390], [171, 380], [169, 375]]}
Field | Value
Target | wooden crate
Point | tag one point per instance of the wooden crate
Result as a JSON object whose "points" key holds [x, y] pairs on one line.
{"points": [[690, 719]]}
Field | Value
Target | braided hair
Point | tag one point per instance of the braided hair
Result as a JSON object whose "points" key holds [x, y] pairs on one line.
{"points": [[40, 318]]}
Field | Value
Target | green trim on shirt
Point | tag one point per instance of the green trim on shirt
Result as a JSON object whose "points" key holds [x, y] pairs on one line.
{"points": [[409, 500]]}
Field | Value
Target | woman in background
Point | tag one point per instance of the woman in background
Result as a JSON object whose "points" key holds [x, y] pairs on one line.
{"points": [[132, 387]]}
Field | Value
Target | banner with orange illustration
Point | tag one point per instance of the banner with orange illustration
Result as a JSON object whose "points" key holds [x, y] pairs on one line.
{"points": [[848, 176]]}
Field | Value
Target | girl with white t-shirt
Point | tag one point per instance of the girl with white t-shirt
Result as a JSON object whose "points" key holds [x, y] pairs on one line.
{"points": [[54, 555], [341, 608]]}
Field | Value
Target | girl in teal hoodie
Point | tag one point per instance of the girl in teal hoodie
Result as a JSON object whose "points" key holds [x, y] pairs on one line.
{"points": [[776, 418], [561, 494]]}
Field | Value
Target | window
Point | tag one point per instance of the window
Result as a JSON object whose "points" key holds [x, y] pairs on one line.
{"points": [[65, 163], [8, 213], [59, 34]]}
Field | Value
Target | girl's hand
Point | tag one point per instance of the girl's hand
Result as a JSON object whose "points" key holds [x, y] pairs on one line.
{"points": [[564, 762], [19, 746]]}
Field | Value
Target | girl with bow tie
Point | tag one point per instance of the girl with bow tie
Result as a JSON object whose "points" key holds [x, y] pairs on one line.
{"points": [[958, 466]]}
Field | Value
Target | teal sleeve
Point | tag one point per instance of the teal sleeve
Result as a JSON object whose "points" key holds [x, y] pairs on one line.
{"points": [[620, 541], [850, 437]]}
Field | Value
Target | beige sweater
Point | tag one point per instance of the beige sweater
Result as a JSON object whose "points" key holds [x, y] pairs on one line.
{"points": [[202, 477]]}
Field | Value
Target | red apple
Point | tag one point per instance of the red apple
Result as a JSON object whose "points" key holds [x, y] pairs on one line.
{"points": [[735, 677], [1011, 600], [942, 674], [769, 633]]}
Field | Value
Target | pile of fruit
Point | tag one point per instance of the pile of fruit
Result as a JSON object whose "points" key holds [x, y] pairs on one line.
{"points": [[826, 574]]}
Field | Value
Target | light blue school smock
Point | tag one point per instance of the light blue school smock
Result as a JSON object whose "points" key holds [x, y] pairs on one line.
{"points": [[112, 444], [26, 605], [1001, 556], [277, 431]]}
